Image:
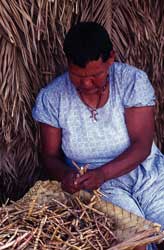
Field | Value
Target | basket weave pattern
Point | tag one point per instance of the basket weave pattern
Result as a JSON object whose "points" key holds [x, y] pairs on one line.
{"points": [[131, 231]]}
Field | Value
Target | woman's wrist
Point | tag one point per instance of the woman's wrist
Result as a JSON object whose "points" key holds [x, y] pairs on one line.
{"points": [[101, 174], [105, 173]]}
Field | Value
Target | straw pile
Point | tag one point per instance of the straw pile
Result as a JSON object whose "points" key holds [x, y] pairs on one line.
{"points": [[47, 218], [53, 221], [31, 37]]}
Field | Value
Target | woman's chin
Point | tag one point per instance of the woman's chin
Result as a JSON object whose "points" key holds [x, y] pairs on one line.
{"points": [[89, 91]]}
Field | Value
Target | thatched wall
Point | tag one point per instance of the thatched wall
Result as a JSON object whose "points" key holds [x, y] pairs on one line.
{"points": [[31, 37]]}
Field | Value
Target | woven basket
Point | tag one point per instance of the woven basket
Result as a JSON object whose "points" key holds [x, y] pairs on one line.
{"points": [[131, 231]]}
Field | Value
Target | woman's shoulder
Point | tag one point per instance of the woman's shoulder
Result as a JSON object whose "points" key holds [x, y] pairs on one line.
{"points": [[125, 70], [125, 75], [133, 86], [48, 101], [57, 86]]}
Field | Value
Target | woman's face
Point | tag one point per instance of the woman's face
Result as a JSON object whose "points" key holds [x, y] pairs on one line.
{"points": [[92, 78]]}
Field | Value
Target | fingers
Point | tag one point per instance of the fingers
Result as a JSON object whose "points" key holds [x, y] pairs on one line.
{"points": [[67, 183], [84, 181], [69, 188], [88, 185], [81, 178], [91, 180], [74, 181]]}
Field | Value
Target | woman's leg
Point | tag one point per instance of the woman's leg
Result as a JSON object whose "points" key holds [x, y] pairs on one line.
{"points": [[123, 199], [152, 203]]}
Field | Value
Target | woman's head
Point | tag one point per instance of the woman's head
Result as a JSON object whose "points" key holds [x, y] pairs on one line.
{"points": [[85, 42]]}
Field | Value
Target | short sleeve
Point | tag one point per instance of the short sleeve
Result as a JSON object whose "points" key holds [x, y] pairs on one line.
{"points": [[46, 109], [138, 90]]}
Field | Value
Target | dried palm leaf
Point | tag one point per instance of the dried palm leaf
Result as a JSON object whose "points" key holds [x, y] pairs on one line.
{"points": [[31, 38]]}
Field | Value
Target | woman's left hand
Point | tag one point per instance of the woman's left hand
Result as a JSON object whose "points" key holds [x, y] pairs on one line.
{"points": [[91, 180]]}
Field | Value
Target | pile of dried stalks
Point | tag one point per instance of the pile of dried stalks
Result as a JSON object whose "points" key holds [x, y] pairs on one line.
{"points": [[47, 218], [53, 221], [31, 37]]}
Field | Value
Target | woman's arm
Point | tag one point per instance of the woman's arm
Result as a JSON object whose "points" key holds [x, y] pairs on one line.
{"points": [[51, 152], [52, 160], [140, 125]]}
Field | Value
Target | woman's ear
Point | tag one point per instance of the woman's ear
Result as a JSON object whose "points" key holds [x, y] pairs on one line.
{"points": [[111, 58]]}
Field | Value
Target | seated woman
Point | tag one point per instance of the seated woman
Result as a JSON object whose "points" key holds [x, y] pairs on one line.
{"points": [[101, 113]]}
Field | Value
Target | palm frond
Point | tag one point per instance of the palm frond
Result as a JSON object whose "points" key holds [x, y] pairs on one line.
{"points": [[31, 38]]}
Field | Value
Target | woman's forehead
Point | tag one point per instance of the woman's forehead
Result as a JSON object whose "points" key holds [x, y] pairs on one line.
{"points": [[93, 68]]}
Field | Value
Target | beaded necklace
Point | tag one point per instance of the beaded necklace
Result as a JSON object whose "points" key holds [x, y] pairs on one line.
{"points": [[93, 110]]}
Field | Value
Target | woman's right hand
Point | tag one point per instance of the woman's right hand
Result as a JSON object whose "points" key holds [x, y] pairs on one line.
{"points": [[68, 182]]}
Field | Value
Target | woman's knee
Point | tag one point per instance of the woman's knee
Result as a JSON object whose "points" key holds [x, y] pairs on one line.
{"points": [[125, 201]]}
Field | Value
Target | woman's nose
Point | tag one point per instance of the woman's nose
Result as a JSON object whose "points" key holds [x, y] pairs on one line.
{"points": [[87, 82]]}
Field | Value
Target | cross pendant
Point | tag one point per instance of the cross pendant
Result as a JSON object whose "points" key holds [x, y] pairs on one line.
{"points": [[93, 115]]}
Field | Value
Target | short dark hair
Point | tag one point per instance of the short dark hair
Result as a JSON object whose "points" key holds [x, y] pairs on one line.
{"points": [[87, 41]]}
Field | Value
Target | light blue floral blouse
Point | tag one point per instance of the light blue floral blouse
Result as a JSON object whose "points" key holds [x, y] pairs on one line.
{"points": [[84, 141]]}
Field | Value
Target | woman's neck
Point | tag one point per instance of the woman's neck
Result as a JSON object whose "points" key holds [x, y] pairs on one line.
{"points": [[95, 100]]}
